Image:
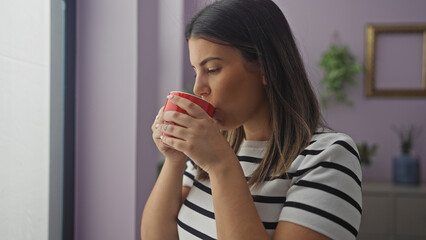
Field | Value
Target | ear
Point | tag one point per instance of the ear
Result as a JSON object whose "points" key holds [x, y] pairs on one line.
{"points": [[262, 75], [264, 80]]}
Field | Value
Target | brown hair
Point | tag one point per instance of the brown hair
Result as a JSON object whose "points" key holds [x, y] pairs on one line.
{"points": [[259, 30]]}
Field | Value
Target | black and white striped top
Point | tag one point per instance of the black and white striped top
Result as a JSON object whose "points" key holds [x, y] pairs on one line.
{"points": [[321, 191]]}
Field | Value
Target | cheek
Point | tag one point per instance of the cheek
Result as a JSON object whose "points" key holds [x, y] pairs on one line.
{"points": [[234, 87], [234, 109], [225, 92], [235, 96]]}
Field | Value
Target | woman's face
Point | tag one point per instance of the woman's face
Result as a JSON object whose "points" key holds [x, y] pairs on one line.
{"points": [[233, 85]]}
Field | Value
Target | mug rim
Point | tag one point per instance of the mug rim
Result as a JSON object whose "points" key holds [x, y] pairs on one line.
{"points": [[193, 95]]}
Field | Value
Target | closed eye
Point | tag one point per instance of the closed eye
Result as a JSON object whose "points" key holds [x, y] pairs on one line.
{"points": [[214, 70], [209, 71]]}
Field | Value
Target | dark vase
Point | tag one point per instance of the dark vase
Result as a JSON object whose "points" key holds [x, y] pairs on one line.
{"points": [[406, 169]]}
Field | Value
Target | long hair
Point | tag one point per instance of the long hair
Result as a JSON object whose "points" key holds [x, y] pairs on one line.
{"points": [[260, 31]]}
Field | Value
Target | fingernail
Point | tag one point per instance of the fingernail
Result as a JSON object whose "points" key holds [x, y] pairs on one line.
{"points": [[170, 96], [165, 127], [157, 125], [157, 117], [161, 137]]}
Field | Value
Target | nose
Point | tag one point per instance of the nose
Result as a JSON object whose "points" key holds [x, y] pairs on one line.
{"points": [[201, 87]]}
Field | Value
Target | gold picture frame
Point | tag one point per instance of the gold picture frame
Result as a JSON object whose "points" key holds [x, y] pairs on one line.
{"points": [[371, 33]]}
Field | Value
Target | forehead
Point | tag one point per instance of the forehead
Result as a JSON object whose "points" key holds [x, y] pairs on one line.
{"points": [[199, 49]]}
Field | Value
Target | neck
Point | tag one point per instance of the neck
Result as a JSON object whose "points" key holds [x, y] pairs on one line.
{"points": [[259, 127], [257, 136]]}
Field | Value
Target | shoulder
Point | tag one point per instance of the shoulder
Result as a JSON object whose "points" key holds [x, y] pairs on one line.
{"points": [[326, 185], [324, 138], [330, 149]]}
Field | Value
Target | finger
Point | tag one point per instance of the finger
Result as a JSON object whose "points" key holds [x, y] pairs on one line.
{"points": [[159, 117], [172, 142], [155, 125], [178, 118], [172, 130], [190, 107], [156, 132]]}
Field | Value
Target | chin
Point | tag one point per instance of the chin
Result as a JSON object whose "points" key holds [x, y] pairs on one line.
{"points": [[216, 116], [224, 127]]}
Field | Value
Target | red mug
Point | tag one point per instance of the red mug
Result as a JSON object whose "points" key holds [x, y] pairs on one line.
{"points": [[206, 106], [169, 106]]}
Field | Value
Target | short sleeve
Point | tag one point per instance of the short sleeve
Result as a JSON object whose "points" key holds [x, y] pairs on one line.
{"points": [[189, 174], [325, 194]]}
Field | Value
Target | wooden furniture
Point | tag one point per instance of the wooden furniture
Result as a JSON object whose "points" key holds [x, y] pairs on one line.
{"points": [[393, 212]]}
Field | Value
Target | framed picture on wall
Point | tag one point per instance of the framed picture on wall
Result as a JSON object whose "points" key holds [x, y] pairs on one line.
{"points": [[396, 60]]}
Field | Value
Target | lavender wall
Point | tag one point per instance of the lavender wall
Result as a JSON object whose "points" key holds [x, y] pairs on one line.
{"points": [[147, 104], [120, 88], [106, 120], [317, 24], [124, 73], [170, 51]]}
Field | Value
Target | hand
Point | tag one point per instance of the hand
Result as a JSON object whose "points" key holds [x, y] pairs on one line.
{"points": [[197, 135], [168, 152]]}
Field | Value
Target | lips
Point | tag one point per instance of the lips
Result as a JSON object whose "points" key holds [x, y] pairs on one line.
{"points": [[216, 114]]}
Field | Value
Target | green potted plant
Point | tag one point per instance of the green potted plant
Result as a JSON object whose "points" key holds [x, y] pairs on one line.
{"points": [[340, 69], [405, 166], [366, 152]]}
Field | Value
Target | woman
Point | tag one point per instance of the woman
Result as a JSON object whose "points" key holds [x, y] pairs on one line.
{"points": [[264, 166]]}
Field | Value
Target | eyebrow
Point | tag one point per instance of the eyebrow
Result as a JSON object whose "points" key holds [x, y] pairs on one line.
{"points": [[209, 59]]}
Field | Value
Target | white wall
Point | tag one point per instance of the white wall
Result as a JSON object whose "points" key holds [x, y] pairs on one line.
{"points": [[24, 118]]}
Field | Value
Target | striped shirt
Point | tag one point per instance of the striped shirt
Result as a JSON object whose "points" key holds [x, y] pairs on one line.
{"points": [[321, 191]]}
